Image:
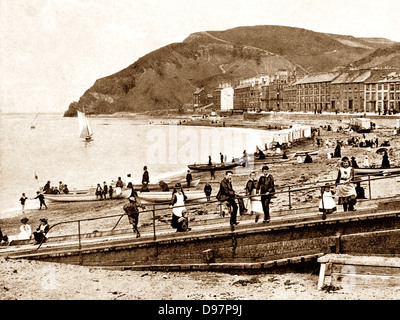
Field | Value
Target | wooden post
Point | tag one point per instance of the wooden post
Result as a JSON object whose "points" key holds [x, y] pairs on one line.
{"points": [[80, 244], [290, 199], [154, 223], [321, 278], [369, 187]]}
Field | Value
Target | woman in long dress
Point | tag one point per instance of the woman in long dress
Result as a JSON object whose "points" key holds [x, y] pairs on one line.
{"points": [[179, 221], [346, 190], [25, 230], [254, 205]]}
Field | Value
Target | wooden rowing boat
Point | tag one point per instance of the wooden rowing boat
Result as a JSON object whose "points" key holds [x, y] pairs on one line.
{"points": [[88, 196], [215, 167], [303, 153], [376, 171], [154, 197], [156, 186]]}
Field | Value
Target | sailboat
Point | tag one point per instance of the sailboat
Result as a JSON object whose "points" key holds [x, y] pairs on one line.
{"points": [[33, 125], [85, 131]]}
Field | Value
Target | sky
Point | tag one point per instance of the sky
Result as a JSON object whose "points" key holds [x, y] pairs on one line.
{"points": [[52, 51]]}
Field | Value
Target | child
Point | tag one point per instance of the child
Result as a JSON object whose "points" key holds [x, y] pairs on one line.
{"points": [[22, 200], [327, 205]]}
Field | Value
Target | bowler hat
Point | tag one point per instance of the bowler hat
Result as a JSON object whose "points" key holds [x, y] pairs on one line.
{"points": [[265, 168], [43, 220]]}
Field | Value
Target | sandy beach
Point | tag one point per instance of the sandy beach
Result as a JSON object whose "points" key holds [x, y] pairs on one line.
{"points": [[59, 281]]}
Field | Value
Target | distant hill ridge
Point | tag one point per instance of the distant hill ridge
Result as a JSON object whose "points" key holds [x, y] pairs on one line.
{"points": [[167, 77]]}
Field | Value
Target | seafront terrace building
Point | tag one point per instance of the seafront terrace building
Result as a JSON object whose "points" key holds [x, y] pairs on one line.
{"points": [[223, 97], [200, 98], [313, 92], [382, 91]]}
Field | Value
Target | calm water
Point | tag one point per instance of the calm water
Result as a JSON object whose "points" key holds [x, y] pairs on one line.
{"points": [[52, 151]]}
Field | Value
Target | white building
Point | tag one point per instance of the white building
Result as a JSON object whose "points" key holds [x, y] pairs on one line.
{"points": [[223, 97]]}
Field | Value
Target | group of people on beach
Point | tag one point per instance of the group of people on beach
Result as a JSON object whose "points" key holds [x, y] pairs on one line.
{"points": [[40, 235]]}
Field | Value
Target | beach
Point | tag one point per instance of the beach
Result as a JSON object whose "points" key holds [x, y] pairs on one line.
{"points": [[96, 283]]}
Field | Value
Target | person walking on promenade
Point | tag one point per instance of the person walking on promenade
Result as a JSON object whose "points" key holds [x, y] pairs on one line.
{"points": [[345, 190], [226, 193], [266, 188], [208, 190], [188, 178], [23, 200], [222, 157], [40, 196], [132, 210], [179, 221]]}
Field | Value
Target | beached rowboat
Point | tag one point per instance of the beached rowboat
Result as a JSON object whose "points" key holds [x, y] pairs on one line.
{"points": [[88, 196], [166, 196], [303, 153], [215, 167], [156, 186], [376, 171]]}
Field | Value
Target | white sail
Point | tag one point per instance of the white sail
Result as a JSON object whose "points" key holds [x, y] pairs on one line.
{"points": [[34, 121], [85, 131]]}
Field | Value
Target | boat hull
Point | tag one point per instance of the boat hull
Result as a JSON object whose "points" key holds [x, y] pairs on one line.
{"points": [[165, 197], [303, 153], [156, 186], [215, 167], [376, 171], [81, 197]]}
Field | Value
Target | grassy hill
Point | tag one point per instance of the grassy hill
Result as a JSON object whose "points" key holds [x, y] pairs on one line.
{"points": [[166, 78]]}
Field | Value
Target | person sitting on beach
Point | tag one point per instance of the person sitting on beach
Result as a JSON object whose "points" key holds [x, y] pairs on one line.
{"points": [[227, 194], [385, 161], [3, 238], [354, 163], [179, 221], [66, 190], [308, 159], [25, 230], [163, 186], [326, 205], [284, 155], [132, 210], [40, 234], [46, 187]]}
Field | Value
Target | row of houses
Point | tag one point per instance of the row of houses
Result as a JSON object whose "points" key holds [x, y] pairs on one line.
{"points": [[351, 91]]}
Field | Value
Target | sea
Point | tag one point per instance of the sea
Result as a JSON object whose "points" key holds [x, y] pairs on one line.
{"points": [[53, 151]]}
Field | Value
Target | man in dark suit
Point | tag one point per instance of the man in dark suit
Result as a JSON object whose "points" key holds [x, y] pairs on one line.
{"points": [[226, 193], [266, 188], [188, 178]]}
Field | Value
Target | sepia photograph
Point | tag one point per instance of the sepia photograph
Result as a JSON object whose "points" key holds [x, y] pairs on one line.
{"points": [[190, 153]]}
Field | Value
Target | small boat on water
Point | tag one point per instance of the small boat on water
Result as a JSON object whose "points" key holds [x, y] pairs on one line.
{"points": [[156, 186], [165, 196], [85, 130], [33, 125], [376, 171], [215, 167], [83, 196]]}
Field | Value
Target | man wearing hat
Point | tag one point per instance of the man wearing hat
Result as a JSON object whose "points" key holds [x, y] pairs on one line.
{"points": [[25, 230], [226, 193], [266, 187]]}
